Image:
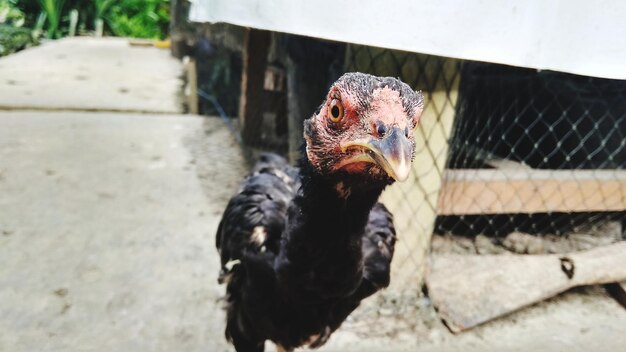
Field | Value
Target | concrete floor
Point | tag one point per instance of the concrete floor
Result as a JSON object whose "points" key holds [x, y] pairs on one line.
{"points": [[105, 229], [82, 73], [107, 223], [106, 233]]}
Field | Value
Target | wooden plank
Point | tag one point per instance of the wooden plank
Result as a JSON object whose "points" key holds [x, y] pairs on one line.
{"points": [[192, 85], [469, 290], [256, 46], [506, 164], [502, 191], [490, 159], [178, 14]]}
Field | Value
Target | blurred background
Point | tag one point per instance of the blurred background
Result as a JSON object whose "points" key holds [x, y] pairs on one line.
{"points": [[127, 125]]}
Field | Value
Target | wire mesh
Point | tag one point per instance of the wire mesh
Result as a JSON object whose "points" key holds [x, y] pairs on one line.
{"points": [[551, 147], [503, 153], [414, 203]]}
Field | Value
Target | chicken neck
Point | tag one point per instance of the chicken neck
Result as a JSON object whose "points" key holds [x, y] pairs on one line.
{"points": [[320, 255]]}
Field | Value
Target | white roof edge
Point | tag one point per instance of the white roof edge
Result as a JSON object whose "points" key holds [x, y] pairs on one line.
{"points": [[573, 36]]}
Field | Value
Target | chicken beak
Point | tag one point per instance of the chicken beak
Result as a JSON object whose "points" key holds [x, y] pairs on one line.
{"points": [[393, 154]]}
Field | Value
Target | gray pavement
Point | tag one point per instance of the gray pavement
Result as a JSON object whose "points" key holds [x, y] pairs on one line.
{"points": [[82, 73], [106, 232], [106, 223]]}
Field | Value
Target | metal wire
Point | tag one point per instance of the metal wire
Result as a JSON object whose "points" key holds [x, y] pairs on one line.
{"points": [[222, 114]]}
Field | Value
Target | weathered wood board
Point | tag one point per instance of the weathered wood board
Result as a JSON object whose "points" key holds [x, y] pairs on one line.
{"points": [[502, 191], [468, 290]]}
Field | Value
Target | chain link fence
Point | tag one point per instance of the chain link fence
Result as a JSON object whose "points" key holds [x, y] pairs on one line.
{"points": [[414, 203], [505, 157], [553, 147]]}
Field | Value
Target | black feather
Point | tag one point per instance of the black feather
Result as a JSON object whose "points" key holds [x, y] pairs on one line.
{"points": [[261, 203], [322, 255]]}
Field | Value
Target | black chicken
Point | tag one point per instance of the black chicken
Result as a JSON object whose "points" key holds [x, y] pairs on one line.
{"points": [[301, 247]]}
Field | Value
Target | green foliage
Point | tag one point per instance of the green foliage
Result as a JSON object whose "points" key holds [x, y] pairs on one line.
{"points": [[139, 18], [13, 39], [10, 14], [101, 7], [129, 18], [53, 10], [13, 36], [30, 9]]}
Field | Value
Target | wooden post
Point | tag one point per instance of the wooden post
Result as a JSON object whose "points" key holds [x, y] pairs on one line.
{"points": [[255, 48], [309, 75], [192, 85], [295, 110], [181, 30]]}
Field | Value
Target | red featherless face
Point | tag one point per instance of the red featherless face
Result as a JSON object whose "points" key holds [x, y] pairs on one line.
{"points": [[365, 127]]}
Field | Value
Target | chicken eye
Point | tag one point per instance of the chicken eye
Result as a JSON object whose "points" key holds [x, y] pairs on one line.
{"points": [[336, 111]]}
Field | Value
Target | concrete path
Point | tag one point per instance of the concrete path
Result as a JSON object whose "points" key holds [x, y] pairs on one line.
{"points": [[82, 73], [107, 219], [106, 231]]}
